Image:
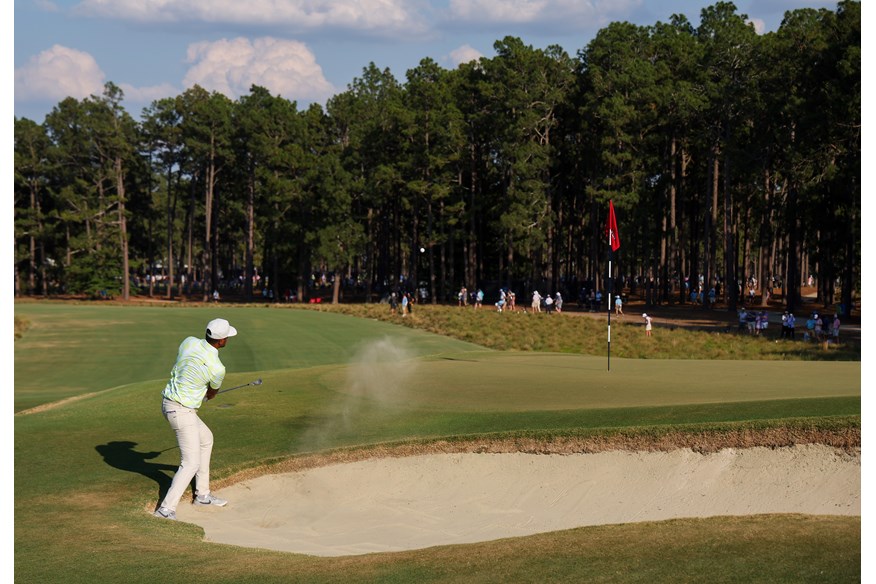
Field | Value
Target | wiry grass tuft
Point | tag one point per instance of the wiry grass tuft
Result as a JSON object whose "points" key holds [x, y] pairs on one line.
{"points": [[584, 334], [21, 326]]}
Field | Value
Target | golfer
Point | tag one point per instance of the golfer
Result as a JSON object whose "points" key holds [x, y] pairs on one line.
{"points": [[197, 374]]}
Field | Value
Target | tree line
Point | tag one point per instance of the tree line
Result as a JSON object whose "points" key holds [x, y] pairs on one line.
{"points": [[729, 156]]}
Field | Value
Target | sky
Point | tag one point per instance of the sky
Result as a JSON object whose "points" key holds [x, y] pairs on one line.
{"points": [[303, 50]]}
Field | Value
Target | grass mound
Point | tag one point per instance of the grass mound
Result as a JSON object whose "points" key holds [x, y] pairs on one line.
{"points": [[583, 333]]}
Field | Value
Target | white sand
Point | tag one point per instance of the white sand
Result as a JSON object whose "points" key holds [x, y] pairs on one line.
{"points": [[396, 504]]}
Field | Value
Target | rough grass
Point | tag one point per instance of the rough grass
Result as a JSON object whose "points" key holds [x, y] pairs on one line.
{"points": [[21, 326], [584, 334]]}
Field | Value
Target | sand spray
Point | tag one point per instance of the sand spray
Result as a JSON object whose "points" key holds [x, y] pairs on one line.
{"points": [[376, 384]]}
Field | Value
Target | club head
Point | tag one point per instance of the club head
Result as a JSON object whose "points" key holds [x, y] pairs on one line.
{"points": [[257, 382]]}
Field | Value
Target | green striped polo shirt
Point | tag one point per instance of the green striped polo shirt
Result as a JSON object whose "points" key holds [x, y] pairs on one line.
{"points": [[197, 364]]}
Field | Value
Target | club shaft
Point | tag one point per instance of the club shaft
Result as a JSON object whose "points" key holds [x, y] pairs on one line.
{"points": [[257, 382], [233, 388]]}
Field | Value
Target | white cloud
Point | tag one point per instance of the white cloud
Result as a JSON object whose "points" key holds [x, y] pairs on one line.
{"points": [[498, 10], [58, 73], [759, 25], [231, 67], [294, 15], [569, 13], [464, 54]]}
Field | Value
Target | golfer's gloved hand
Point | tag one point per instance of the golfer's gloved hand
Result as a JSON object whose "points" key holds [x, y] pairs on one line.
{"points": [[211, 393]]}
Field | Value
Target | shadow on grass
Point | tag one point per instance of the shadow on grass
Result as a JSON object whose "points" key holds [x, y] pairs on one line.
{"points": [[121, 455]]}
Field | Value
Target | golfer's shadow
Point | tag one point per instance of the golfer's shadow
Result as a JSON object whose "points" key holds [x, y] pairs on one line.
{"points": [[121, 455]]}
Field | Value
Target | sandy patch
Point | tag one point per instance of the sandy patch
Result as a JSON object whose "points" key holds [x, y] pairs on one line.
{"points": [[393, 504], [57, 404]]}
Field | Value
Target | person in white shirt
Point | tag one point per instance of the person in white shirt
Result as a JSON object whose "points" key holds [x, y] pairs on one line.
{"points": [[197, 375]]}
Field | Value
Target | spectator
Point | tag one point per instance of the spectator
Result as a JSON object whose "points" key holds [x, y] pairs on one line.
{"points": [[618, 306], [463, 296], [762, 322], [536, 302], [500, 305], [558, 302], [548, 304], [479, 298], [809, 335], [647, 324], [791, 322], [743, 320], [835, 328], [404, 305]]}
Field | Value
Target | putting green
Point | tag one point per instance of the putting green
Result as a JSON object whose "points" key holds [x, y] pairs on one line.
{"points": [[517, 381]]}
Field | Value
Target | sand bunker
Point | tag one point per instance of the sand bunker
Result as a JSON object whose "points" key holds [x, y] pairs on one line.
{"points": [[394, 504]]}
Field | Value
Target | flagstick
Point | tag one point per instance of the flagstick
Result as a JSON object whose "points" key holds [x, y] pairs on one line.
{"points": [[610, 288], [613, 245]]}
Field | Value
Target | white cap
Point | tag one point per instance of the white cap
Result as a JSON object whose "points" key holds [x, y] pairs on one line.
{"points": [[219, 328], [644, 315]]}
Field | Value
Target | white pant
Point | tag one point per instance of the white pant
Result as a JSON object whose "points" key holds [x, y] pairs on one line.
{"points": [[195, 445]]}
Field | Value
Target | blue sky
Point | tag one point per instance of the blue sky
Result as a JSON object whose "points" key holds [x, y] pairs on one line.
{"points": [[304, 50]]}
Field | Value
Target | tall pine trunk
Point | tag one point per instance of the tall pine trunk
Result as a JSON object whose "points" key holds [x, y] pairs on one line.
{"points": [[123, 229]]}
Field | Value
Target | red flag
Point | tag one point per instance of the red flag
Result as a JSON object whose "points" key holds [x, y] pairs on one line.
{"points": [[611, 229]]}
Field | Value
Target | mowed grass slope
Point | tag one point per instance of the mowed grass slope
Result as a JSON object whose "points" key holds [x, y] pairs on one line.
{"points": [[72, 349], [88, 471]]}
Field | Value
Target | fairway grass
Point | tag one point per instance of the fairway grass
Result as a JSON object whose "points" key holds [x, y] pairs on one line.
{"points": [[87, 471], [75, 348]]}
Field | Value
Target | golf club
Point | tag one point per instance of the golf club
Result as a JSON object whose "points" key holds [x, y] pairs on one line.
{"points": [[256, 382]]}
